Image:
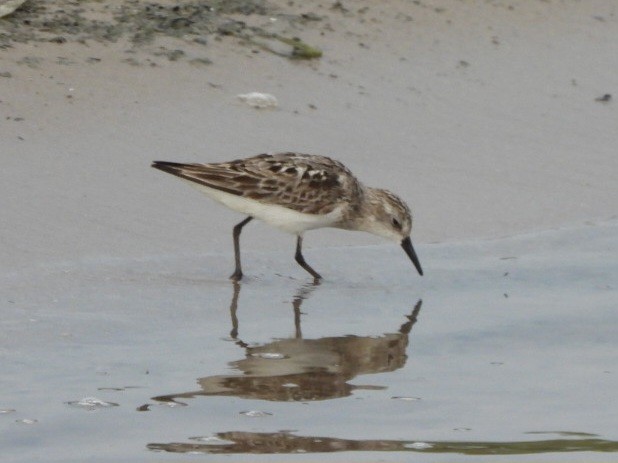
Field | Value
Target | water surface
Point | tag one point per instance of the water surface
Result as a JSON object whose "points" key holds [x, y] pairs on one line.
{"points": [[505, 348]]}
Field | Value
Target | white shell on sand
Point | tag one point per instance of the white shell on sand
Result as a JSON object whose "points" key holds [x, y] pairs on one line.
{"points": [[259, 100]]}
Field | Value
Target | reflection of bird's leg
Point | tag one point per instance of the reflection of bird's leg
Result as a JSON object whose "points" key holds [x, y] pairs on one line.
{"points": [[296, 304], [302, 294], [233, 309], [407, 326]]}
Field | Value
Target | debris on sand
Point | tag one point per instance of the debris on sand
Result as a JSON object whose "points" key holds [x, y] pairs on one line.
{"points": [[293, 48], [142, 23], [259, 100], [8, 6]]}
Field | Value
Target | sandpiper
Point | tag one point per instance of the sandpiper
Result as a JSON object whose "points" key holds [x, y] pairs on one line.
{"points": [[298, 192]]}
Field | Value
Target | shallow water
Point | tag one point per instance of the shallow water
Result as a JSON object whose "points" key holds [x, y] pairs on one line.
{"points": [[505, 348]]}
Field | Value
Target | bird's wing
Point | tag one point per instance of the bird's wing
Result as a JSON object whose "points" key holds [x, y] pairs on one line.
{"points": [[304, 183]]}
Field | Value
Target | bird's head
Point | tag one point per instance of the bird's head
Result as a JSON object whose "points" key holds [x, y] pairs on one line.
{"points": [[389, 216]]}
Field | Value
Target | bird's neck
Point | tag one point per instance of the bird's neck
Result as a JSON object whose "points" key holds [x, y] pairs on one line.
{"points": [[360, 215]]}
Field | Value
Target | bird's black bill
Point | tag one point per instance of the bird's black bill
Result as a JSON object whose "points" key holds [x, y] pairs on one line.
{"points": [[406, 244]]}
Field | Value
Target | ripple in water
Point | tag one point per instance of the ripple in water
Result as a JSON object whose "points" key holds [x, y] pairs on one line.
{"points": [[26, 421], [269, 355], [418, 446], [256, 414], [406, 399], [91, 403], [211, 440]]}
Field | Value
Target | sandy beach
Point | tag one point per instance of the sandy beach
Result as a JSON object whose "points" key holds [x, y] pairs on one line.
{"points": [[483, 117], [496, 121]]}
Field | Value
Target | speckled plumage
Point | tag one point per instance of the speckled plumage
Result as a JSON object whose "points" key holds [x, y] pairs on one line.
{"points": [[305, 183], [298, 192]]}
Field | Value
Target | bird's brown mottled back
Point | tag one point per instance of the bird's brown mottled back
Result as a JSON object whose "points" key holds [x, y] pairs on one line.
{"points": [[305, 183]]}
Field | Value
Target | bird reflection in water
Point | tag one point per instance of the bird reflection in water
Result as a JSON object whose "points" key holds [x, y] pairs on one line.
{"points": [[284, 442], [298, 369]]}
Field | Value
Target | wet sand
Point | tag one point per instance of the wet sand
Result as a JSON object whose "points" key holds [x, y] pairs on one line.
{"points": [[478, 150], [489, 119]]}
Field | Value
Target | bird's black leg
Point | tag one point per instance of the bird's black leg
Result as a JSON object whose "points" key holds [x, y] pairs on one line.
{"points": [[301, 260], [237, 275]]}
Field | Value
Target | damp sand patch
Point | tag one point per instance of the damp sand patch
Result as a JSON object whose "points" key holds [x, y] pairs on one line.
{"points": [[143, 24]]}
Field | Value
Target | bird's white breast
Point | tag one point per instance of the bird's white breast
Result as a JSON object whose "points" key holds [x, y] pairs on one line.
{"points": [[285, 219]]}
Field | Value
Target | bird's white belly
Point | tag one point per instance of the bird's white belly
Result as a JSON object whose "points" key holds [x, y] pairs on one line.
{"points": [[280, 217]]}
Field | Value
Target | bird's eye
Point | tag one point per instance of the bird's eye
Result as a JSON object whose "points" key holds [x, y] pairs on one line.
{"points": [[396, 223]]}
